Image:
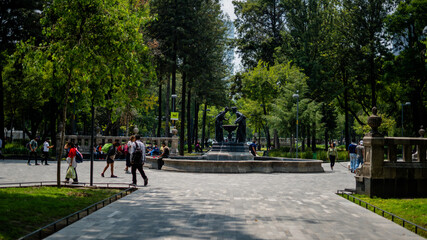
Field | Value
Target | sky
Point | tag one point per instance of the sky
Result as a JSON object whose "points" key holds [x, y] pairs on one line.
{"points": [[228, 8]]}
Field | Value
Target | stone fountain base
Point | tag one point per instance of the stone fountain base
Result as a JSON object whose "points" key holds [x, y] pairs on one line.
{"points": [[228, 151]]}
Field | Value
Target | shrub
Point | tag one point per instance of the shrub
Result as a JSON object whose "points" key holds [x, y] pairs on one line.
{"points": [[15, 148], [322, 155], [343, 156], [307, 154]]}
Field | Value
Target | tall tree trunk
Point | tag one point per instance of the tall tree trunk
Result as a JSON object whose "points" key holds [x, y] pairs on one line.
{"points": [[189, 138], [267, 130], [52, 121], [159, 121], [346, 125], [182, 132], [167, 107], [276, 139], [326, 139], [372, 78], [1, 105], [313, 137], [196, 122], [303, 138], [203, 125], [308, 136], [64, 120]]}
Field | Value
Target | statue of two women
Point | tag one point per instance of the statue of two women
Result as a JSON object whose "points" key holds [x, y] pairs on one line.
{"points": [[241, 129]]}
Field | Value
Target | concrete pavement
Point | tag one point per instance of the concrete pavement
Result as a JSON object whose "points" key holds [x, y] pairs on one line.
{"points": [[221, 206]]}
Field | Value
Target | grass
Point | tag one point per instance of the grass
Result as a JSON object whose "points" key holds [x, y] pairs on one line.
{"points": [[413, 210], [24, 210]]}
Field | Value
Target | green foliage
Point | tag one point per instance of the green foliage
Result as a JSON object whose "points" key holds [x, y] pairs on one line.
{"points": [[343, 156], [259, 25], [307, 154], [15, 148], [322, 155], [26, 209], [387, 126]]}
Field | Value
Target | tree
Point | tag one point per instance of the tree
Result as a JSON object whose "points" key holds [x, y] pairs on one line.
{"points": [[259, 25], [405, 28], [19, 21]]}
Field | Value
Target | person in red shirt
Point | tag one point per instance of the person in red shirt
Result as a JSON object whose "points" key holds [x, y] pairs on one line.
{"points": [[71, 160]]}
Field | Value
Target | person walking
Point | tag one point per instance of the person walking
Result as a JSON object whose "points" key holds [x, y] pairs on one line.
{"points": [[360, 152], [138, 160], [165, 154], [111, 155], [32, 145], [46, 148], [129, 148], [332, 154], [352, 156], [71, 160]]}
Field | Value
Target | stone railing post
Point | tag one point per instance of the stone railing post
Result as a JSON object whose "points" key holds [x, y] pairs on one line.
{"points": [[375, 151], [175, 139], [421, 149]]}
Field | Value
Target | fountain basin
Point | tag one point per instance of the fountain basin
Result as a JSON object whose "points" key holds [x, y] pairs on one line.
{"points": [[259, 165]]}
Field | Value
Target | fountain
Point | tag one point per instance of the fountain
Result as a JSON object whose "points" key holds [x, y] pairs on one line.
{"points": [[233, 156]]}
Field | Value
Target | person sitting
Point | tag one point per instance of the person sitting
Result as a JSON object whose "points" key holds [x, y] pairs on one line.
{"points": [[165, 154], [154, 151], [198, 147], [252, 148], [149, 148]]}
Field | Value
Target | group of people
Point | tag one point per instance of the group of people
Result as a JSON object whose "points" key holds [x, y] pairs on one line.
{"points": [[135, 153], [355, 152], [32, 148]]}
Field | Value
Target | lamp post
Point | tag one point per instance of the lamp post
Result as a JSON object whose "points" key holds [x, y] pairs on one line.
{"points": [[173, 96], [296, 95], [404, 104]]}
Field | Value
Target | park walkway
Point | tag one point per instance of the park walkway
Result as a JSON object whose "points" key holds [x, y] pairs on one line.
{"points": [[222, 206]]}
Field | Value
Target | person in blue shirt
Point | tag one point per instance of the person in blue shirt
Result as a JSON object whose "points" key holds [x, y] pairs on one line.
{"points": [[252, 148], [154, 151], [352, 154]]}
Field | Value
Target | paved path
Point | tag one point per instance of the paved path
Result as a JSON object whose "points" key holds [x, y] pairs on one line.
{"points": [[222, 206]]}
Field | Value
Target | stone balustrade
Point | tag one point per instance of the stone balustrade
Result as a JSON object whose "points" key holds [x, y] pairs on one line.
{"points": [[84, 141], [384, 174]]}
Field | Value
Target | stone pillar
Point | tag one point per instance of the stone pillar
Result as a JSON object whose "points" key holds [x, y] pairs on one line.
{"points": [[421, 149], [374, 157], [175, 139]]}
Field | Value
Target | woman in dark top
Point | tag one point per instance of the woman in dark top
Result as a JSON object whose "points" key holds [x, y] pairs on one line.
{"points": [[165, 154]]}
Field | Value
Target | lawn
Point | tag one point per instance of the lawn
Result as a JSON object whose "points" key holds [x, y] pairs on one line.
{"points": [[24, 210], [413, 210]]}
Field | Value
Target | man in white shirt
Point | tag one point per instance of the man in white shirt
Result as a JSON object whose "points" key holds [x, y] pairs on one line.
{"points": [[138, 160], [46, 148]]}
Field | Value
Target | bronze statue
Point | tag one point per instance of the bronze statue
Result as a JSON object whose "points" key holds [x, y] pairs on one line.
{"points": [[241, 129], [219, 135]]}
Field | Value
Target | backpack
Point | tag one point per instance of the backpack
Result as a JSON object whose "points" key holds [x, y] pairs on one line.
{"points": [[137, 155], [28, 146], [79, 156], [106, 147]]}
